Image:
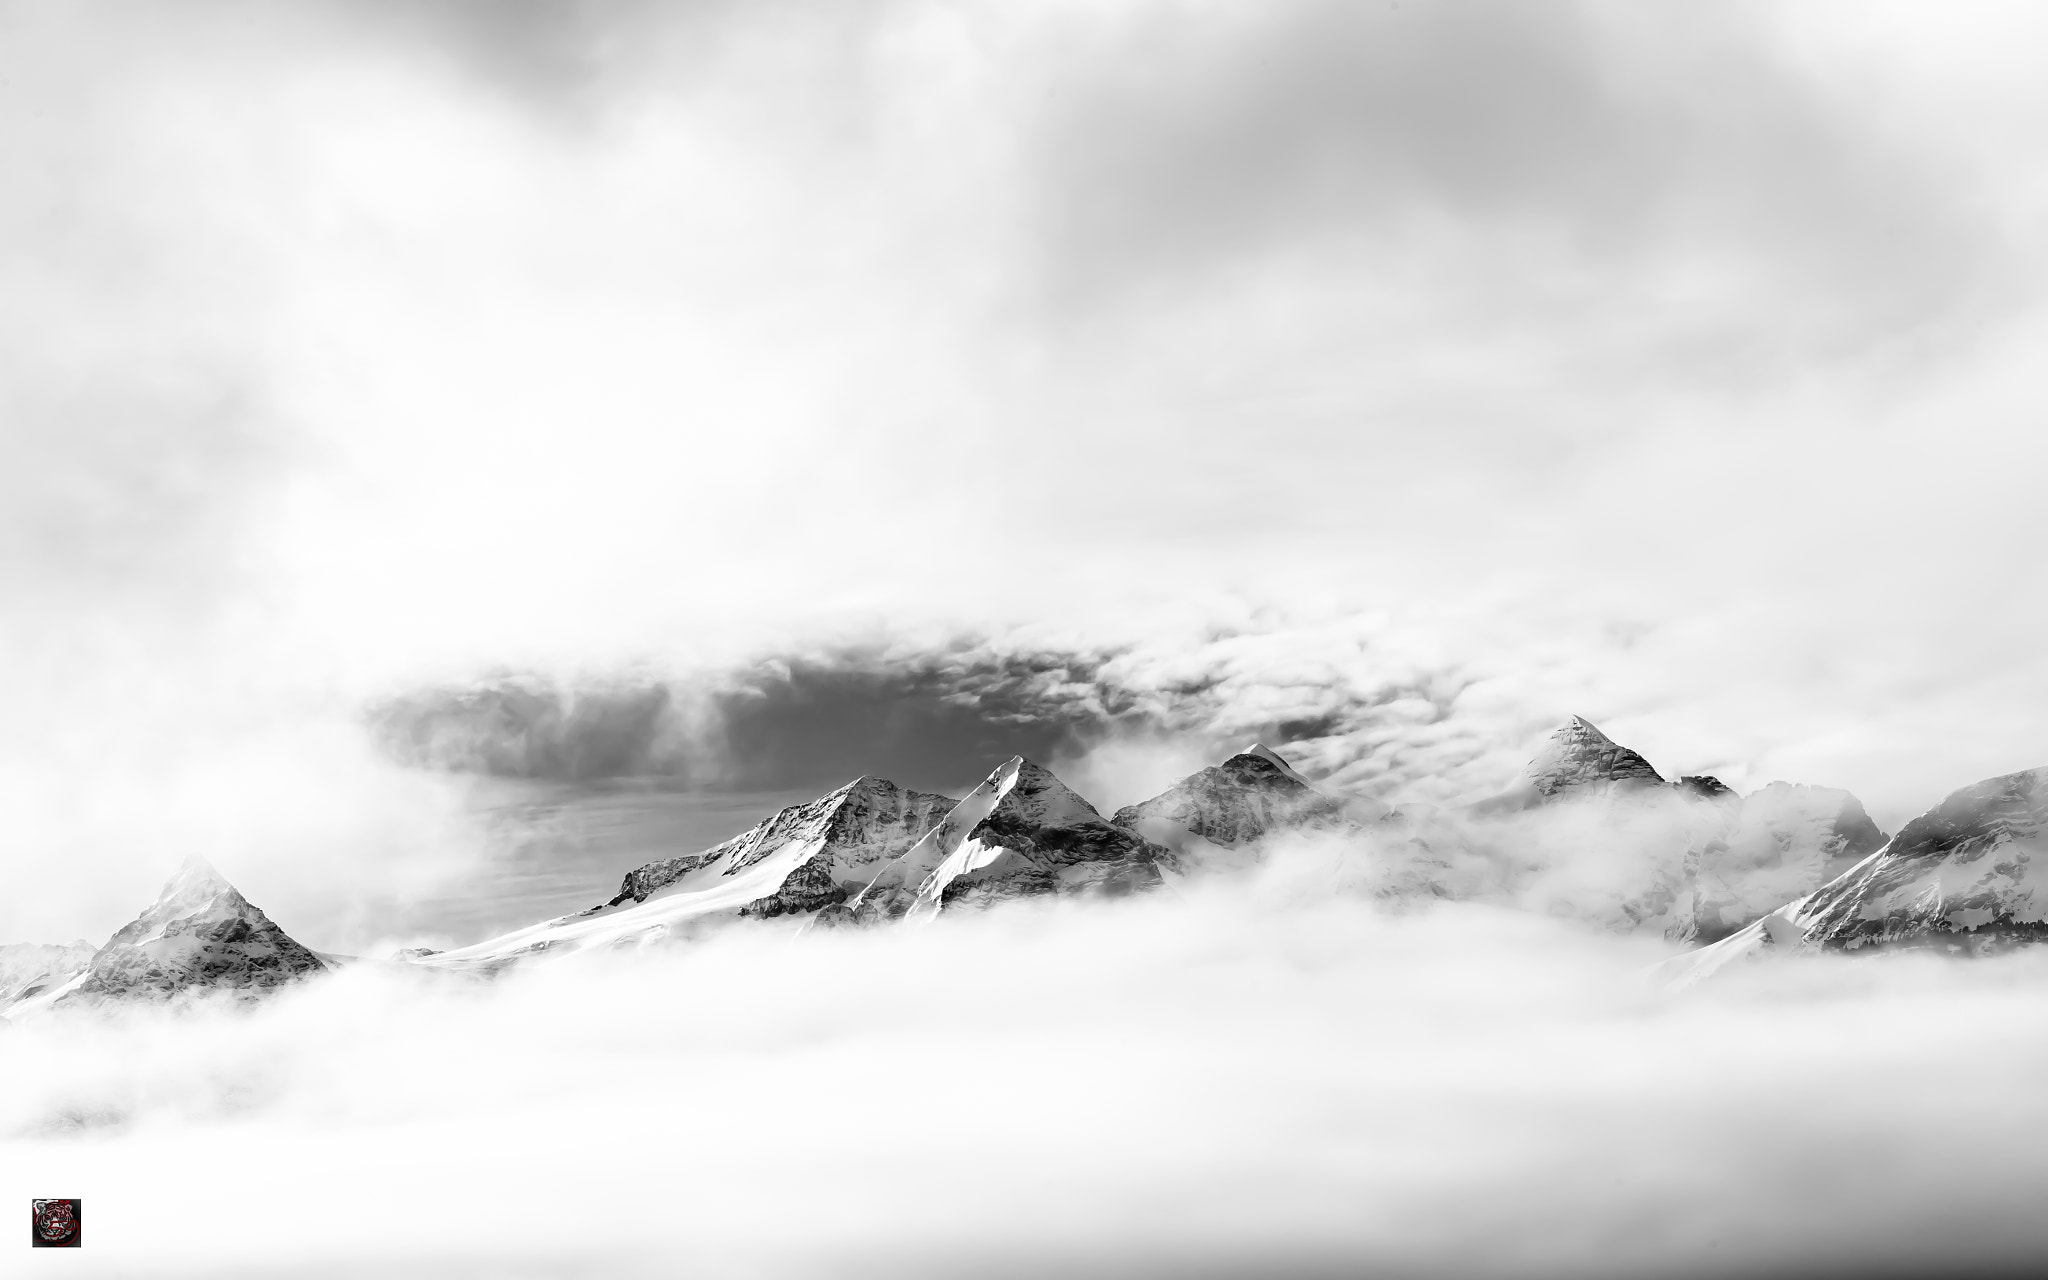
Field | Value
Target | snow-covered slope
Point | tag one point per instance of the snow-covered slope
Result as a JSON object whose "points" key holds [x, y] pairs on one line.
{"points": [[1021, 832], [200, 934], [1958, 878], [29, 968], [1218, 816], [803, 858]]}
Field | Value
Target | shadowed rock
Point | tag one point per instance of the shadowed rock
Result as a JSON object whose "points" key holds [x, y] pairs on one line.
{"points": [[1022, 832]]}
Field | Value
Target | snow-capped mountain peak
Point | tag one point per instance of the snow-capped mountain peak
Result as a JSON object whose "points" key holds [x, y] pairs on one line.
{"points": [[200, 934], [1021, 832], [795, 862], [1578, 758]]}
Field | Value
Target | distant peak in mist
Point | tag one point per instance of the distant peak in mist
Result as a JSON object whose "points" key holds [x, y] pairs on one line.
{"points": [[199, 935]]}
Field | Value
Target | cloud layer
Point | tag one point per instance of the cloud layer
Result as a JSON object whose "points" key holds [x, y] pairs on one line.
{"points": [[1404, 380], [1251, 1076]]}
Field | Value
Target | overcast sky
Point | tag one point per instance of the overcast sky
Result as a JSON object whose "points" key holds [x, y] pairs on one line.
{"points": [[1445, 369]]}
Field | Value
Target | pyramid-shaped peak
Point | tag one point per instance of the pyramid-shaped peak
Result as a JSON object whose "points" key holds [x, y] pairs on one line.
{"points": [[1579, 756], [200, 933], [195, 881], [1024, 784]]}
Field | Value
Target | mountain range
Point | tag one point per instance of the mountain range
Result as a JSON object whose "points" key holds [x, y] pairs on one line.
{"points": [[1591, 829]]}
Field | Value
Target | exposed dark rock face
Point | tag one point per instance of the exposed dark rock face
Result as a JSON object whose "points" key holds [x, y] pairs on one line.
{"points": [[1021, 833], [811, 887], [1702, 786], [1247, 798], [200, 935]]}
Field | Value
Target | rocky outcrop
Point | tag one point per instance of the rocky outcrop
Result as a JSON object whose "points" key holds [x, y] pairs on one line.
{"points": [[200, 935], [1702, 786], [1232, 806], [1021, 833]]}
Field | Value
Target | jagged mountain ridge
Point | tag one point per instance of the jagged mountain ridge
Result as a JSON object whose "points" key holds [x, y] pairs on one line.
{"points": [[860, 826], [871, 851], [1022, 832], [799, 860]]}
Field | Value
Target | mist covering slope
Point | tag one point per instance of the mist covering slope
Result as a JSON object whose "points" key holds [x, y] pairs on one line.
{"points": [[1593, 832], [1784, 842], [1219, 815], [29, 968], [1959, 878]]}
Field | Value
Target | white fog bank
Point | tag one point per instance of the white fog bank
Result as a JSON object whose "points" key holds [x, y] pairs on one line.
{"points": [[1238, 1078]]}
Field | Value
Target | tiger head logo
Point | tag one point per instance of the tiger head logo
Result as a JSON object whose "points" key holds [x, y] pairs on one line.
{"points": [[56, 1221]]}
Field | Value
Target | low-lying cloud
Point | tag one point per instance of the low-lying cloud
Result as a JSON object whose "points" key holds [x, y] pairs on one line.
{"points": [[1254, 1075]]}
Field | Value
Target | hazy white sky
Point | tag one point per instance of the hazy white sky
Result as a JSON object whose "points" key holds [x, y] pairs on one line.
{"points": [[1667, 364]]}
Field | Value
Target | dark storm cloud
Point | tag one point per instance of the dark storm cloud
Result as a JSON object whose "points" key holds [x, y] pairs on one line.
{"points": [[1642, 154], [933, 719], [941, 717]]}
